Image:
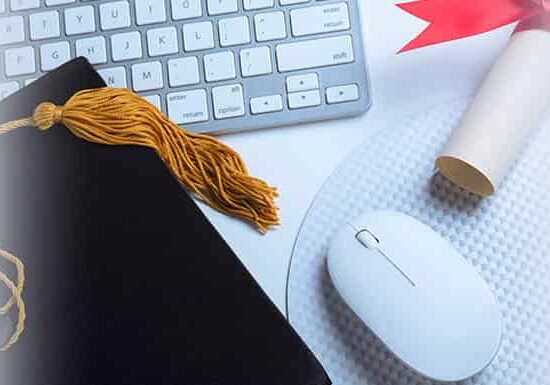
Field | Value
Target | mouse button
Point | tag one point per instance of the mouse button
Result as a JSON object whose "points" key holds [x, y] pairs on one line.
{"points": [[439, 266], [367, 239], [419, 252], [359, 269], [402, 259]]}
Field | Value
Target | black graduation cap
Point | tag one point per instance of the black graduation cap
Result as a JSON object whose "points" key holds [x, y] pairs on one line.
{"points": [[127, 282]]}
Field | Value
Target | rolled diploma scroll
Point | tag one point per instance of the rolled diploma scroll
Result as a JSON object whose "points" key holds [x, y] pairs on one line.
{"points": [[507, 107]]}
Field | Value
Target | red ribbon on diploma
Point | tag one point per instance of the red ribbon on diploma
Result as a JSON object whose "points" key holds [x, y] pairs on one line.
{"points": [[455, 19]]}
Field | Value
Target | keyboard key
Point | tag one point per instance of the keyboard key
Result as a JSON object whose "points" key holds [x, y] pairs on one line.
{"points": [[302, 83], [53, 3], [198, 36], [53, 55], [250, 5], [228, 101], [255, 61], [150, 11], [234, 31], [114, 77], [114, 15], [342, 94], [320, 19], [270, 26], [12, 30], [154, 100], [6, 89], [219, 66], [147, 76], [93, 48], [265, 104], [2, 6], [290, 2], [183, 71], [304, 99], [126, 46], [19, 61], [80, 20], [186, 9], [188, 106], [22, 5], [44, 25], [162, 41], [220, 7], [314, 53]]}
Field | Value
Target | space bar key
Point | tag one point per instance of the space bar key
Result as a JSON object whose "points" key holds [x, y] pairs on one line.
{"points": [[314, 53]]}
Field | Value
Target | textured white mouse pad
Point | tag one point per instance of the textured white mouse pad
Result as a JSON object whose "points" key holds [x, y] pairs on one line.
{"points": [[506, 238]]}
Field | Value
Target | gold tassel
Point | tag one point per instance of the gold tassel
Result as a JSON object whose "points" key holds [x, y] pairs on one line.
{"points": [[215, 173]]}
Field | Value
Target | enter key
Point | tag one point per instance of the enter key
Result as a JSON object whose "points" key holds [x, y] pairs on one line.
{"points": [[320, 19]]}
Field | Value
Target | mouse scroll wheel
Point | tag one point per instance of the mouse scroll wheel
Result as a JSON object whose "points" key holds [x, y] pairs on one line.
{"points": [[367, 239]]}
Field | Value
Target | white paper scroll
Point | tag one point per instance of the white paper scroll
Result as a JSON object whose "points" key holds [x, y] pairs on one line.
{"points": [[508, 106]]}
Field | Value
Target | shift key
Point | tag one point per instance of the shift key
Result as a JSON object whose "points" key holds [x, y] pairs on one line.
{"points": [[314, 53]]}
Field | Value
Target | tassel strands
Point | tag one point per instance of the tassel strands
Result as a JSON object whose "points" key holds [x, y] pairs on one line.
{"points": [[215, 173]]}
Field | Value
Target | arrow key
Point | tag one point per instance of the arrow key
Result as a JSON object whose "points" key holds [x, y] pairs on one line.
{"points": [[341, 94], [305, 82], [304, 99], [264, 104]]}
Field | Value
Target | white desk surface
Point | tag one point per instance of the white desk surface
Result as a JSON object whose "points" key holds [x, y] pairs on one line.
{"points": [[299, 159]]}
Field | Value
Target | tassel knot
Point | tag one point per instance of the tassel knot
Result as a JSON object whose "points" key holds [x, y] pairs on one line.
{"points": [[46, 115]]}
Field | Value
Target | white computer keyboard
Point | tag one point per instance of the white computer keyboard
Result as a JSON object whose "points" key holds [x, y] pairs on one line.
{"points": [[211, 65]]}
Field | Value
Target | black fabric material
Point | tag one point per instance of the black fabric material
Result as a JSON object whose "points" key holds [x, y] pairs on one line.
{"points": [[128, 283]]}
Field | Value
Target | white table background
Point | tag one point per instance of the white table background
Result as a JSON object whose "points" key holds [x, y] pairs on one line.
{"points": [[298, 159]]}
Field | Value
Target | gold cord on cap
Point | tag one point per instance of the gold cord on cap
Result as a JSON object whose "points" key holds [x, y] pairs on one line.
{"points": [[16, 297], [44, 117]]}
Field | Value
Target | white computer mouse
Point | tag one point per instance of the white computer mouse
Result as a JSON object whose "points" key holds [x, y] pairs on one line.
{"points": [[417, 294]]}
